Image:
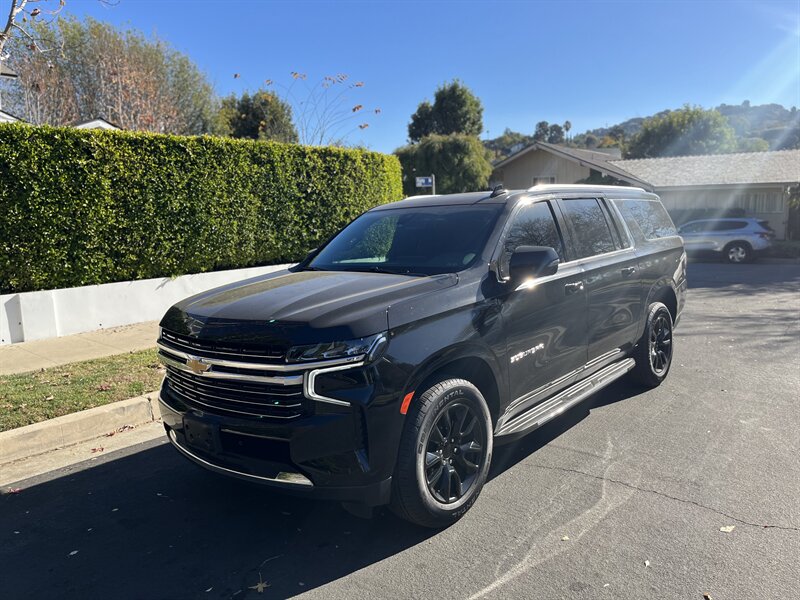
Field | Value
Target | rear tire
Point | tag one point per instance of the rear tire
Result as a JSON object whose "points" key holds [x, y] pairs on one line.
{"points": [[653, 353], [444, 456], [738, 252]]}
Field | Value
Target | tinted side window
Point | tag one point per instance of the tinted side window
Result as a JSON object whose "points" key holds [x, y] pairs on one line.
{"points": [[649, 215], [533, 225], [694, 227], [589, 226], [728, 225]]}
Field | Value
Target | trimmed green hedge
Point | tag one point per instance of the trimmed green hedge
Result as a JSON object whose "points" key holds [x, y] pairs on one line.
{"points": [[85, 207]]}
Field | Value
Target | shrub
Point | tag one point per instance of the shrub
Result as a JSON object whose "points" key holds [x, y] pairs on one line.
{"points": [[84, 207]]}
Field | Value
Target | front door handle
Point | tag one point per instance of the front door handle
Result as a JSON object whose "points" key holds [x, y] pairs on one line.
{"points": [[573, 288], [628, 271]]}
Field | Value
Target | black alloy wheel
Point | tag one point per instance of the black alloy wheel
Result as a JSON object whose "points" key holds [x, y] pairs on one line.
{"points": [[453, 454], [661, 343], [444, 455], [653, 353]]}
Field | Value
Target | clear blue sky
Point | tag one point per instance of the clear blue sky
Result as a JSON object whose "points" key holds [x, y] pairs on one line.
{"points": [[593, 63]]}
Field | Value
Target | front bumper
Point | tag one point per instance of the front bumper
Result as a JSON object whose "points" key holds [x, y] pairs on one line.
{"points": [[344, 454]]}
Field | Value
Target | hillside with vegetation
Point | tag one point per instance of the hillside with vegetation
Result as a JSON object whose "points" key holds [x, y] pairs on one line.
{"points": [[754, 128]]}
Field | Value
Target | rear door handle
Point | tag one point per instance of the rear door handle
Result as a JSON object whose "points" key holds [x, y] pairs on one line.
{"points": [[628, 271], [573, 288]]}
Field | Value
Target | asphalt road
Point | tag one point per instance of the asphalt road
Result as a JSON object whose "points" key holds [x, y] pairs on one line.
{"points": [[639, 483]]}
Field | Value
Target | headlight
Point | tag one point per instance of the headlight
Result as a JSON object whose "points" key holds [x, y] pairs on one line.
{"points": [[370, 346]]}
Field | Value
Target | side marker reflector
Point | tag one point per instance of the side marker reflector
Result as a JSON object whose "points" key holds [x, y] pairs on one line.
{"points": [[406, 402]]}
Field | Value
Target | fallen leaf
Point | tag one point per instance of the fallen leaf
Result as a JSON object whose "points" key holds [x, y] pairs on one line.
{"points": [[49, 397], [98, 449], [103, 387], [727, 528], [260, 586], [14, 490], [646, 563], [707, 596], [565, 538], [209, 589], [113, 433], [73, 553], [114, 509]]}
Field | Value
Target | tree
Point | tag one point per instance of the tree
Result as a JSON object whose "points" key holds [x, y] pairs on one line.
{"points": [[455, 109], [687, 131], [555, 134], [324, 113], [460, 163], [542, 131], [590, 140], [20, 16], [567, 127], [135, 82], [752, 144], [262, 116], [422, 122]]}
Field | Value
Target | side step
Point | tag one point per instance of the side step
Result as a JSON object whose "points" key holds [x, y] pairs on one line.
{"points": [[541, 413]]}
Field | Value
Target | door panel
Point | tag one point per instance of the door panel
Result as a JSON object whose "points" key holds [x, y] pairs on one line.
{"points": [[614, 295], [545, 325], [611, 277], [544, 318]]}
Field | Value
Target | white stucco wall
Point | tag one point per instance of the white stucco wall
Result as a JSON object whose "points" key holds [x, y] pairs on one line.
{"points": [[53, 313]]}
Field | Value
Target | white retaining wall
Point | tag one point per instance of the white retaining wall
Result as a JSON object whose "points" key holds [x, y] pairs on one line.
{"points": [[53, 313]]}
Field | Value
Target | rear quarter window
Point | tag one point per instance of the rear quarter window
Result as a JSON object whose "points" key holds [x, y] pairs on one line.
{"points": [[647, 216]]}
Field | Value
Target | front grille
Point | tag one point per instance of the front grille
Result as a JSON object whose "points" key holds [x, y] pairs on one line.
{"points": [[237, 398], [222, 350], [240, 382]]}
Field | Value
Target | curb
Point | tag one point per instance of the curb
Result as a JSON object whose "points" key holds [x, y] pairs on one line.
{"points": [[74, 428]]}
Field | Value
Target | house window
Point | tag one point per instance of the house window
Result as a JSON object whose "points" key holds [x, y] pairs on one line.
{"points": [[543, 180]]}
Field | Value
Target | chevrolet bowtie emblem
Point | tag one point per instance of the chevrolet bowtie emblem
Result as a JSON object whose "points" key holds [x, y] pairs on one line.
{"points": [[197, 365]]}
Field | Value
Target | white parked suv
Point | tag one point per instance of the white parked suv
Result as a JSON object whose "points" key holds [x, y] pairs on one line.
{"points": [[737, 240]]}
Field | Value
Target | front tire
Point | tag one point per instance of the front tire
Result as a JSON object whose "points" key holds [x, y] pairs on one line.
{"points": [[445, 453], [653, 354]]}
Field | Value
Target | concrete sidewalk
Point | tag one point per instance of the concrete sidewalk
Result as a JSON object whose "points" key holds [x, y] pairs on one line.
{"points": [[41, 354]]}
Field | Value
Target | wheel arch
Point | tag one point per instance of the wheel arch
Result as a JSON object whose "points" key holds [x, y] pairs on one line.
{"points": [[469, 362]]}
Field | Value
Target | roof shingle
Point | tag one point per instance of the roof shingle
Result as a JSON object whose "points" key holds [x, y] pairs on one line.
{"points": [[782, 166]]}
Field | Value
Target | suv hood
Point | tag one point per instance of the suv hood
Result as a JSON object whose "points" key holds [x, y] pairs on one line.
{"points": [[298, 308]]}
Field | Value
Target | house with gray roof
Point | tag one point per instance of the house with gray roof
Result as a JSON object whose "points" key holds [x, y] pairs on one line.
{"points": [[752, 184]]}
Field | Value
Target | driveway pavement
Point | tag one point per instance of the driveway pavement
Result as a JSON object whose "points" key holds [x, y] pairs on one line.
{"points": [[623, 497]]}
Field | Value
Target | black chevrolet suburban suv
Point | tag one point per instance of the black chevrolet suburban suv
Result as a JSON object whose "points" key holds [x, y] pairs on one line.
{"points": [[384, 366]]}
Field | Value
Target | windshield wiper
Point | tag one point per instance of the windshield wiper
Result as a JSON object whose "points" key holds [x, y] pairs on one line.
{"points": [[391, 272]]}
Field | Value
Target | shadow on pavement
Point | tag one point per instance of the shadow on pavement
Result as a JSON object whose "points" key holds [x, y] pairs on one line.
{"points": [[152, 525]]}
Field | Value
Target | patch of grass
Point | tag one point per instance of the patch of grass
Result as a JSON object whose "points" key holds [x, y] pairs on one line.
{"points": [[40, 395]]}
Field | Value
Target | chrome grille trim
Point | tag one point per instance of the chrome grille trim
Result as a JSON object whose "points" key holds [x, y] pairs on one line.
{"points": [[172, 362], [186, 390], [215, 408], [235, 364], [218, 387]]}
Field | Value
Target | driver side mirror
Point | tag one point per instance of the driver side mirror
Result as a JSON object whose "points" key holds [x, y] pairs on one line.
{"points": [[532, 261]]}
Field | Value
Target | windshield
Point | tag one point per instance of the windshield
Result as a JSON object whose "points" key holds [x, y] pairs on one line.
{"points": [[414, 241]]}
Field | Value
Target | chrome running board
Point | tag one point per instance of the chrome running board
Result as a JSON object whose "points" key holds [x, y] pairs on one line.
{"points": [[541, 413]]}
